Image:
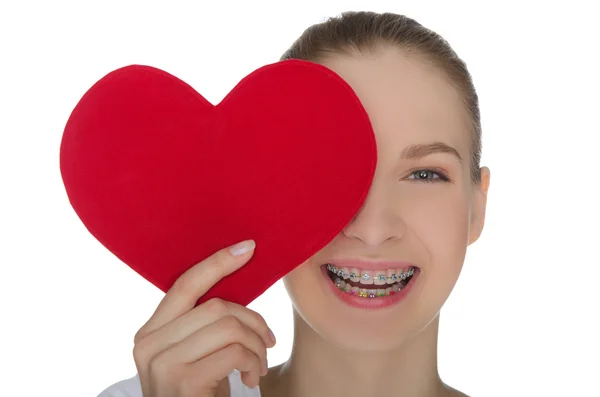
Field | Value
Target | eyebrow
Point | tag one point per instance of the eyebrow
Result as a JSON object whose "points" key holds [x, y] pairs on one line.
{"points": [[414, 152]]}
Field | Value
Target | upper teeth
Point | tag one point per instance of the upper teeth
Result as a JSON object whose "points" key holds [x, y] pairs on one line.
{"points": [[378, 277]]}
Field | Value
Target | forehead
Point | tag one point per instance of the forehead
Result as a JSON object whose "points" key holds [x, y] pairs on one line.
{"points": [[408, 100]]}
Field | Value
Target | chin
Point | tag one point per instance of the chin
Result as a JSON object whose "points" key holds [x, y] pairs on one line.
{"points": [[360, 323]]}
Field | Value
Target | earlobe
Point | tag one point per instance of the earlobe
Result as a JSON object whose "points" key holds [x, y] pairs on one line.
{"points": [[479, 206]]}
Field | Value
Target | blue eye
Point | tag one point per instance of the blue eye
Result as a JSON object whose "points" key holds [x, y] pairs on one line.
{"points": [[429, 175]]}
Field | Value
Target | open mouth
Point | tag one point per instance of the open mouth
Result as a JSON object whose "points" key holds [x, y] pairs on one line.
{"points": [[370, 284]]}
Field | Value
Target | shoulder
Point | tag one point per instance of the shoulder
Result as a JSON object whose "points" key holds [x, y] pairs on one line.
{"points": [[126, 388], [452, 392], [132, 387]]}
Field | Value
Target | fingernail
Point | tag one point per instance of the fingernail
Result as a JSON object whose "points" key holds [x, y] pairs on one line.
{"points": [[272, 337], [265, 368], [242, 248]]}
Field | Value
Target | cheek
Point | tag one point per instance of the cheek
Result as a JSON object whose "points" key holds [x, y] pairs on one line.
{"points": [[441, 221], [306, 299], [298, 279]]}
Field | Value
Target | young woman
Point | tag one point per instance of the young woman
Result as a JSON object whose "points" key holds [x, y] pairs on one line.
{"points": [[366, 307]]}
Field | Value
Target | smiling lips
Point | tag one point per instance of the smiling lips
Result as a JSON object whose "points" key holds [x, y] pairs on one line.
{"points": [[366, 283]]}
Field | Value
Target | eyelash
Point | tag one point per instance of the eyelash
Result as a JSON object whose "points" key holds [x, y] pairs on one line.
{"points": [[442, 175]]}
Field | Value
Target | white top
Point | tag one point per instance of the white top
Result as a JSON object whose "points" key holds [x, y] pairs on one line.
{"points": [[133, 388]]}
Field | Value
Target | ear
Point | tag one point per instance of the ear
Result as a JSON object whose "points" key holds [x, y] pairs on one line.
{"points": [[479, 206]]}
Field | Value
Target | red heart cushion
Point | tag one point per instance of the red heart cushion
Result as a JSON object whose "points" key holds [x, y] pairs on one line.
{"points": [[163, 179]]}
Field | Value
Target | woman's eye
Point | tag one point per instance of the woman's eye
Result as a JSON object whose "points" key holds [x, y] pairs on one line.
{"points": [[427, 175]]}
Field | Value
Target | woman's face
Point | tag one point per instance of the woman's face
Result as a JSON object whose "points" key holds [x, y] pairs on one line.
{"points": [[412, 214]]}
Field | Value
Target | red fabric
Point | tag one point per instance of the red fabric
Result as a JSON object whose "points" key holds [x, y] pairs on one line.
{"points": [[163, 178]]}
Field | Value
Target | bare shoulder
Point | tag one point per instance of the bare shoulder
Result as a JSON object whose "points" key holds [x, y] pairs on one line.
{"points": [[223, 389], [271, 384], [452, 392]]}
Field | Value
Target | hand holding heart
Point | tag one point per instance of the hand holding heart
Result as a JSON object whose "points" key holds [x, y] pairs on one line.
{"points": [[187, 351]]}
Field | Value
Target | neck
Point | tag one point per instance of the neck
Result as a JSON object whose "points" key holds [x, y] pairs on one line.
{"points": [[318, 368]]}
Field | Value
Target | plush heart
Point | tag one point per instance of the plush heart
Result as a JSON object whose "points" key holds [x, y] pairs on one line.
{"points": [[163, 178]]}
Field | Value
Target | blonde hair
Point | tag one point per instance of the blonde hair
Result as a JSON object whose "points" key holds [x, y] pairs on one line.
{"points": [[365, 31]]}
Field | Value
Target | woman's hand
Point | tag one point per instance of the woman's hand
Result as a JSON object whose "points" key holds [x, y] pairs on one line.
{"points": [[187, 351]]}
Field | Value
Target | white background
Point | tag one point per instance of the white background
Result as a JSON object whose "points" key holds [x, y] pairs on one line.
{"points": [[523, 319]]}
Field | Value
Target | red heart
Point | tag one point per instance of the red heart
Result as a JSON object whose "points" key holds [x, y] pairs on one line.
{"points": [[163, 178]]}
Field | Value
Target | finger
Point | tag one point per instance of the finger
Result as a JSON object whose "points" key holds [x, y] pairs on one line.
{"points": [[221, 363], [200, 317], [196, 281], [212, 338]]}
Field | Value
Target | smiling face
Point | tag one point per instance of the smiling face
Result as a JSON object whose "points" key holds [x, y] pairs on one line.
{"points": [[423, 209]]}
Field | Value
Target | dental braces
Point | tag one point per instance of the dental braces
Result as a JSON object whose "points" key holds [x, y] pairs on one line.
{"points": [[365, 276]]}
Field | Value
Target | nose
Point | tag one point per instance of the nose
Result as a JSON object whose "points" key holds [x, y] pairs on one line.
{"points": [[378, 220]]}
